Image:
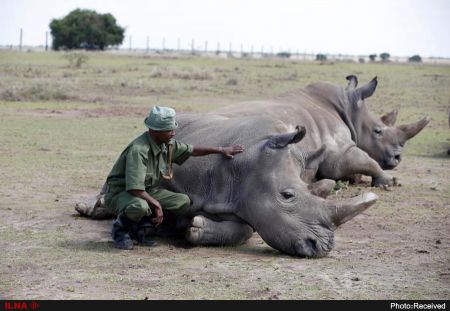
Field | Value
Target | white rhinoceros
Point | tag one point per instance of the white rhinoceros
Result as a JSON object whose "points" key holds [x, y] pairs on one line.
{"points": [[296, 145]]}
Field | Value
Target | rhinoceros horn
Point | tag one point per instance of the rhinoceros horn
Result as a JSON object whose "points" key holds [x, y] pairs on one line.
{"points": [[414, 128], [341, 212], [390, 118]]}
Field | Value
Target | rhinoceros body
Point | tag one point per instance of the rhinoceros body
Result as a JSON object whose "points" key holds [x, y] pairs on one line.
{"points": [[259, 190], [355, 141], [296, 145]]}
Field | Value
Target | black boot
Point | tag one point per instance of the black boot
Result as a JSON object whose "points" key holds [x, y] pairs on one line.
{"points": [[142, 230], [120, 232]]}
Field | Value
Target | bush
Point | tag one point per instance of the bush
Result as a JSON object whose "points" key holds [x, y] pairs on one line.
{"points": [[34, 93], [321, 57], [415, 59], [86, 29], [385, 56], [284, 54], [76, 59]]}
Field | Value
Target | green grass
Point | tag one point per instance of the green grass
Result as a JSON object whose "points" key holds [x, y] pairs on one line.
{"points": [[62, 128]]}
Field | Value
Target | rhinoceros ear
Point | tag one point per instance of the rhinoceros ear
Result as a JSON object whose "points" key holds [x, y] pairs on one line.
{"points": [[315, 157], [356, 96], [282, 140], [413, 129], [390, 118], [368, 89], [352, 82]]}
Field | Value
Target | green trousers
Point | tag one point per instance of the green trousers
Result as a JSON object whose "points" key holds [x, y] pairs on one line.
{"points": [[135, 208]]}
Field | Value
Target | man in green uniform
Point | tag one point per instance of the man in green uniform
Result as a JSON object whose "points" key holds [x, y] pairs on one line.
{"points": [[133, 191]]}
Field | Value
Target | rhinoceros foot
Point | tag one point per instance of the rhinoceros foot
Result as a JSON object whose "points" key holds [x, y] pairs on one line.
{"points": [[94, 208], [204, 231], [385, 181]]}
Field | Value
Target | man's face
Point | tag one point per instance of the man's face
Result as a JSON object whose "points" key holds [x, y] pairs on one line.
{"points": [[163, 136]]}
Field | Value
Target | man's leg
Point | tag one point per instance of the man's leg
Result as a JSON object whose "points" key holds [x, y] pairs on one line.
{"points": [[174, 205], [171, 201], [129, 210]]}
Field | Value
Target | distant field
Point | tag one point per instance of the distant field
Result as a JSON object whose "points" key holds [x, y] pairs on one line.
{"points": [[62, 128]]}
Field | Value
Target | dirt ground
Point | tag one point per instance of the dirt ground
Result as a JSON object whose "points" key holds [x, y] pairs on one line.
{"points": [[51, 158], [398, 249]]}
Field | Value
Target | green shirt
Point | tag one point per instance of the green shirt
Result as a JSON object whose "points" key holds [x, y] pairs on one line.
{"points": [[141, 164]]}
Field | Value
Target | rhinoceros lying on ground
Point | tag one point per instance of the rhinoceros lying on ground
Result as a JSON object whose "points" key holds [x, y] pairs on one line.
{"points": [[259, 190], [269, 188], [356, 142]]}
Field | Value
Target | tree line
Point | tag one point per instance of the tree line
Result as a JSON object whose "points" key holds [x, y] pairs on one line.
{"points": [[87, 29]]}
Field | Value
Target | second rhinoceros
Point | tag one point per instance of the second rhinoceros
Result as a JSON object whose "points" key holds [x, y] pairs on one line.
{"points": [[338, 120]]}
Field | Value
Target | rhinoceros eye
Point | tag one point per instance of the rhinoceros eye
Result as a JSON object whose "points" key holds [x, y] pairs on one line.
{"points": [[377, 130], [287, 194]]}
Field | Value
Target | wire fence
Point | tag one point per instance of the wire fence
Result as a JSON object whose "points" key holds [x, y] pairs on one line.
{"points": [[205, 49]]}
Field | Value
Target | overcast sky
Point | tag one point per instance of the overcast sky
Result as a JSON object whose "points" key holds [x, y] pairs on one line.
{"points": [[358, 27]]}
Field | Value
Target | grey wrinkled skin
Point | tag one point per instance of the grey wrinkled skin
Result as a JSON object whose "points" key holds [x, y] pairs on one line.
{"points": [[260, 189], [356, 141], [296, 146]]}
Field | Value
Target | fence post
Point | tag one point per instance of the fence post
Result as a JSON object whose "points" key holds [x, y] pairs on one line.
{"points": [[20, 40]]}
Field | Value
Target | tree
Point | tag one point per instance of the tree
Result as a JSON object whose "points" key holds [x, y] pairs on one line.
{"points": [[86, 29], [372, 57], [385, 56]]}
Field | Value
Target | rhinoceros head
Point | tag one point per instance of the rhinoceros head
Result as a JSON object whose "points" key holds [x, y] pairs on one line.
{"points": [[378, 136], [279, 206]]}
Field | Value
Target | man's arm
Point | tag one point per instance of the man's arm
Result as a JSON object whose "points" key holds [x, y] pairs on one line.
{"points": [[154, 204], [229, 151]]}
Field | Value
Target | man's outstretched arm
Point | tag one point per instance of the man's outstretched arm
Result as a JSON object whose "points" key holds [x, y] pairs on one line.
{"points": [[229, 151]]}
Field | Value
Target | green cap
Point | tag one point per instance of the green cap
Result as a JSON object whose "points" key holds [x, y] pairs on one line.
{"points": [[161, 119]]}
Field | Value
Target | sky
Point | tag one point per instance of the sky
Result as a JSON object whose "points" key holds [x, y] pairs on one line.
{"points": [[354, 27]]}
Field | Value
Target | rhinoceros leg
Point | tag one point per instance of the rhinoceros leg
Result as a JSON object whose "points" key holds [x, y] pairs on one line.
{"points": [[94, 208], [356, 161], [322, 188], [204, 231]]}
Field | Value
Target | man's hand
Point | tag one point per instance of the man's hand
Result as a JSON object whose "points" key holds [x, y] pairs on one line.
{"points": [[153, 203], [230, 151], [158, 219]]}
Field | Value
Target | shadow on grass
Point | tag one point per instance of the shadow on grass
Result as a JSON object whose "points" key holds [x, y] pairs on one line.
{"points": [[169, 238], [107, 246]]}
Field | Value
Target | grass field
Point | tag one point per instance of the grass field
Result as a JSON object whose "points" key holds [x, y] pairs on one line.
{"points": [[62, 128]]}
